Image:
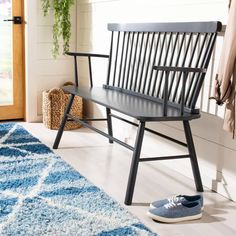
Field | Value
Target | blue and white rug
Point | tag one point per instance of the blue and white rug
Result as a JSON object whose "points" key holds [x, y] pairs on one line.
{"points": [[42, 195]]}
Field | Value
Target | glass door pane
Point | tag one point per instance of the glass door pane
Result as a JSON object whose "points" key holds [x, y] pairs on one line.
{"points": [[6, 55]]}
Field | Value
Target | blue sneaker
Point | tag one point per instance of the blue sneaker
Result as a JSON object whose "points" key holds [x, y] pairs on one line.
{"points": [[176, 212], [178, 199]]}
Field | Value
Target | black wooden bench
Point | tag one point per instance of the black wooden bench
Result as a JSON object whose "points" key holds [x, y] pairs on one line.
{"points": [[155, 73]]}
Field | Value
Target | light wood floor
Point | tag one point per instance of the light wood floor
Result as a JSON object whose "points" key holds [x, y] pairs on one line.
{"points": [[107, 166]]}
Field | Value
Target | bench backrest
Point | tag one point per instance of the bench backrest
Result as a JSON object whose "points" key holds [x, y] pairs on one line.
{"points": [[136, 48]]}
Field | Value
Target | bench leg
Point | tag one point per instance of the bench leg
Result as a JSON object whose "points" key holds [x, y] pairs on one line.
{"points": [[63, 123], [193, 156], [109, 123], [134, 164]]}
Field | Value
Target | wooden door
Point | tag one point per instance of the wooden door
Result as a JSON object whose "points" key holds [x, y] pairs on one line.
{"points": [[12, 86]]}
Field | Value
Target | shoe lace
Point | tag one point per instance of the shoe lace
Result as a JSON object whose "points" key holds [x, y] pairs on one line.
{"points": [[171, 205], [174, 198]]}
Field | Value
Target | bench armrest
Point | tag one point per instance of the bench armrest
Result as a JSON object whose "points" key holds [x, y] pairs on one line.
{"points": [[86, 54], [180, 69], [186, 71]]}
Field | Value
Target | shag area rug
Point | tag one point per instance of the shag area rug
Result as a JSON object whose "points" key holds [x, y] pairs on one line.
{"points": [[40, 194]]}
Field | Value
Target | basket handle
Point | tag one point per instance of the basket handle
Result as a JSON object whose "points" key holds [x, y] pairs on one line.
{"points": [[68, 83]]}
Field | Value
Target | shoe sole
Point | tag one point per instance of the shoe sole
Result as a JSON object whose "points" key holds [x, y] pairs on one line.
{"points": [[153, 207], [173, 220]]}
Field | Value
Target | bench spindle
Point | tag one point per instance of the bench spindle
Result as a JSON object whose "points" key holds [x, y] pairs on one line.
{"points": [[130, 59]]}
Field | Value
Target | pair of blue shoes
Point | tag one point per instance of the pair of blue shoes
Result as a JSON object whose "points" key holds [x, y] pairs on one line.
{"points": [[177, 208]]}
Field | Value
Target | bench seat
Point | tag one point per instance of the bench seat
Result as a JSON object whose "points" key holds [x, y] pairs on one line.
{"points": [[134, 106]]}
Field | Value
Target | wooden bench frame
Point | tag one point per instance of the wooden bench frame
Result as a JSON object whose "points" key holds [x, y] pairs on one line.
{"points": [[126, 59]]}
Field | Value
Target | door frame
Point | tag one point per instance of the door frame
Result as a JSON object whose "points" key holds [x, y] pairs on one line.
{"points": [[17, 110]]}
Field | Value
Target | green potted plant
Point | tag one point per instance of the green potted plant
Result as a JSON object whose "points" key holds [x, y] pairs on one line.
{"points": [[62, 23]]}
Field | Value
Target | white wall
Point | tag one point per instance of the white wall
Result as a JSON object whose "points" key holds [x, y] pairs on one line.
{"points": [[216, 150], [42, 71]]}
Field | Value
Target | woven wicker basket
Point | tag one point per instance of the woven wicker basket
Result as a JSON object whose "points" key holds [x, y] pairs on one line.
{"points": [[54, 105]]}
